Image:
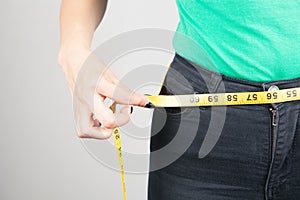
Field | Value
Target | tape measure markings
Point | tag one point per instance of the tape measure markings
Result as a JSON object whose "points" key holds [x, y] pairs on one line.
{"points": [[219, 99], [118, 144]]}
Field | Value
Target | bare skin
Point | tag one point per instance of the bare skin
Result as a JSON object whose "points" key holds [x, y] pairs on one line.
{"points": [[78, 22]]}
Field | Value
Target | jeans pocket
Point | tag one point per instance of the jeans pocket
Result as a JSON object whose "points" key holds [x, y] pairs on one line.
{"points": [[171, 111], [182, 80]]}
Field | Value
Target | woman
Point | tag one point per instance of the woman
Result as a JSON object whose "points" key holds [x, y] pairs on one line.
{"points": [[239, 152]]}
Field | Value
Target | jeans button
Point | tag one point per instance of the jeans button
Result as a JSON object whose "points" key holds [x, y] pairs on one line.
{"points": [[273, 87]]}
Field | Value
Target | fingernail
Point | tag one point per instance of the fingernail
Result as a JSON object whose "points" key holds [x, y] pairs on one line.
{"points": [[149, 105], [131, 109]]}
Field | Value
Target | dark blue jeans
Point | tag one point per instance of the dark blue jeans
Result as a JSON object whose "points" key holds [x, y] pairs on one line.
{"points": [[224, 153]]}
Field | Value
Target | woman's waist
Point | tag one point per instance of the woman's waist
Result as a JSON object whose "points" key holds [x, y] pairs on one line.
{"points": [[187, 77]]}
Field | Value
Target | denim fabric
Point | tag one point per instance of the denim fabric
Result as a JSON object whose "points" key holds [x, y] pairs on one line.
{"points": [[250, 151]]}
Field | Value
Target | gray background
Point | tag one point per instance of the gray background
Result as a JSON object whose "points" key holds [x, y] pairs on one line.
{"points": [[40, 155]]}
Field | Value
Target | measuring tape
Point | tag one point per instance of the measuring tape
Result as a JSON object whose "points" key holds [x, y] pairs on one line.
{"points": [[226, 99], [118, 144], [217, 99]]}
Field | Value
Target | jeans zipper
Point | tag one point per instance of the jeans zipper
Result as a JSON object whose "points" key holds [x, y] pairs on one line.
{"points": [[273, 149], [274, 124]]}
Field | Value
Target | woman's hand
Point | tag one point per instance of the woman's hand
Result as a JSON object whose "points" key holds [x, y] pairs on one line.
{"points": [[90, 83]]}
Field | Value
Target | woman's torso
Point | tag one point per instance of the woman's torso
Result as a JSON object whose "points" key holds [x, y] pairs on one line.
{"points": [[247, 39]]}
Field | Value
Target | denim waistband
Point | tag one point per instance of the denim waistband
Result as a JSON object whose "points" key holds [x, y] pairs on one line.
{"points": [[213, 79]]}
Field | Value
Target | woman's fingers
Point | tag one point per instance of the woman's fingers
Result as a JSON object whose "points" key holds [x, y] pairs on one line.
{"points": [[88, 127], [96, 82], [103, 113], [100, 125], [114, 89], [96, 123], [107, 117], [123, 116]]}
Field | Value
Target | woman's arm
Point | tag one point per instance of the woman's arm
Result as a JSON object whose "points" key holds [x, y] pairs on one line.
{"points": [[78, 22]]}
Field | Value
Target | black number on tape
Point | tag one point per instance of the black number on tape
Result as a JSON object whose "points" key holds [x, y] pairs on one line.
{"points": [[252, 97], [213, 98], [272, 95], [292, 93], [232, 97]]}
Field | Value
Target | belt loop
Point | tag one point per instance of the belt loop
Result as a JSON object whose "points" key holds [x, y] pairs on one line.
{"points": [[264, 86], [214, 82]]}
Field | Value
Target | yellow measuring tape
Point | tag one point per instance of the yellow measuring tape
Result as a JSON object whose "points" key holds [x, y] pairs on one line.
{"points": [[216, 99], [118, 144], [226, 99]]}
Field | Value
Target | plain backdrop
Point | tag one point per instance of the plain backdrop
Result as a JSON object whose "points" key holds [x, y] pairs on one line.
{"points": [[40, 156]]}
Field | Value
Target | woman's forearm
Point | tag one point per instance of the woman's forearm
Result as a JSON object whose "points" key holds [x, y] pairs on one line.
{"points": [[78, 22]]}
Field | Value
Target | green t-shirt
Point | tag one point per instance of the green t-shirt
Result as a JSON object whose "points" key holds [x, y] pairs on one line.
{"points": [[257, 40]]}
